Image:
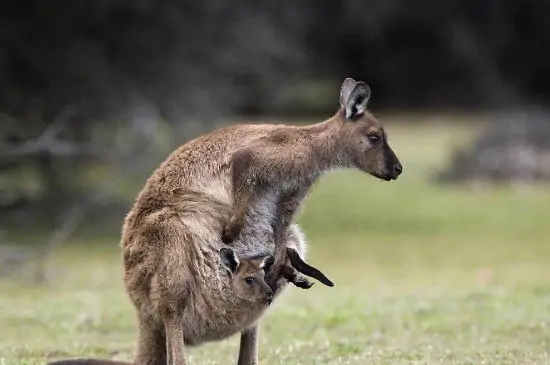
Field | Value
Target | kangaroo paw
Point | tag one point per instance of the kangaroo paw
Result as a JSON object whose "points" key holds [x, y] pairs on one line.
{"points": [[302, 282]]}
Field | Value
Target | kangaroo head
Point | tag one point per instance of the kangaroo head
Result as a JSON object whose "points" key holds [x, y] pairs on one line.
{"points": [[363, 136], [247, 276]]}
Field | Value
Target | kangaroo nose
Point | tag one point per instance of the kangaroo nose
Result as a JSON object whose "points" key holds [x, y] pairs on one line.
{"points": [[398, 169]]}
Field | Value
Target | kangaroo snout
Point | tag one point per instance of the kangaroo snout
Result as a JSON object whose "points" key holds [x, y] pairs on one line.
{"points": [[397, 170]]}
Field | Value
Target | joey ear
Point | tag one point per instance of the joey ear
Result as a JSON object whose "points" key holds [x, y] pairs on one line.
{"points": [[229, 259], [262, 262], [354, 97], [266, 262]]}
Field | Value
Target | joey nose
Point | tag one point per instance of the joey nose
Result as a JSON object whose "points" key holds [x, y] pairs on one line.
{"points": [[397, 169]]}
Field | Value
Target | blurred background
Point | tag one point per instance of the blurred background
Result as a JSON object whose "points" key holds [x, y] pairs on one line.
{"points": [[94, 95]]}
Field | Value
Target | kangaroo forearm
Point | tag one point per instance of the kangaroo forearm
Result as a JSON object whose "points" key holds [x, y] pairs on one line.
{"points": [[242, 198], [245, 184], [279, 229], [286, 209], [281, 223]]}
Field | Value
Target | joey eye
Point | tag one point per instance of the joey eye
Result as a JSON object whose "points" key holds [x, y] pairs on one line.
{"points": [[373, 138], [250, 280]]}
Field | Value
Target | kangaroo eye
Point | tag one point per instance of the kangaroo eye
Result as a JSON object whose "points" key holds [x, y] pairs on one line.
{"points": [[249, 280], [373, 138]]}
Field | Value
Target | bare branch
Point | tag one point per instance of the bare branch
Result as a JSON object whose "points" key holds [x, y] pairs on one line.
{"points": [[48, 142], [54, 147]]}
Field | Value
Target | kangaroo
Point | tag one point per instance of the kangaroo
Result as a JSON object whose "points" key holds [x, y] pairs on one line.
{"points": [[239, 186]]}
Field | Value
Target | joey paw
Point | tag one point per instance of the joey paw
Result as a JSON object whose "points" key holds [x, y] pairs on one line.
{"points": [[303, 283]]}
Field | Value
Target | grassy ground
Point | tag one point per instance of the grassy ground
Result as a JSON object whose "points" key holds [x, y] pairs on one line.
{"points": [[424, 275]]}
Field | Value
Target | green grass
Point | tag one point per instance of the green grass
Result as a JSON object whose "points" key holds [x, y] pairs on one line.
{"points": [[424, 275]]}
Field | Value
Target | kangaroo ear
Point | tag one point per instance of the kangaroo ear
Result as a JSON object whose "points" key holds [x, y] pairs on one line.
{"points": [[354, 97], [229, 259]]}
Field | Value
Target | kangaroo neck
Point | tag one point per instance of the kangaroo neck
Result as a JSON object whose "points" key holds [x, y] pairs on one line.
{"points": [[328, 149]]}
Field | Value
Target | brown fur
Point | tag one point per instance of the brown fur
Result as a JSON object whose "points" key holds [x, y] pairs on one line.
{"points": [[241, 185]]}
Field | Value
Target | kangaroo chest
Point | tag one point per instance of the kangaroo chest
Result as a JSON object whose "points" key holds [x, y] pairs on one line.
{"points": [[273, 201]]}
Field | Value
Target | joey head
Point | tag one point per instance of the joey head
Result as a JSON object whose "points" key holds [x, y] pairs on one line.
{"points": [[247, 277]]}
